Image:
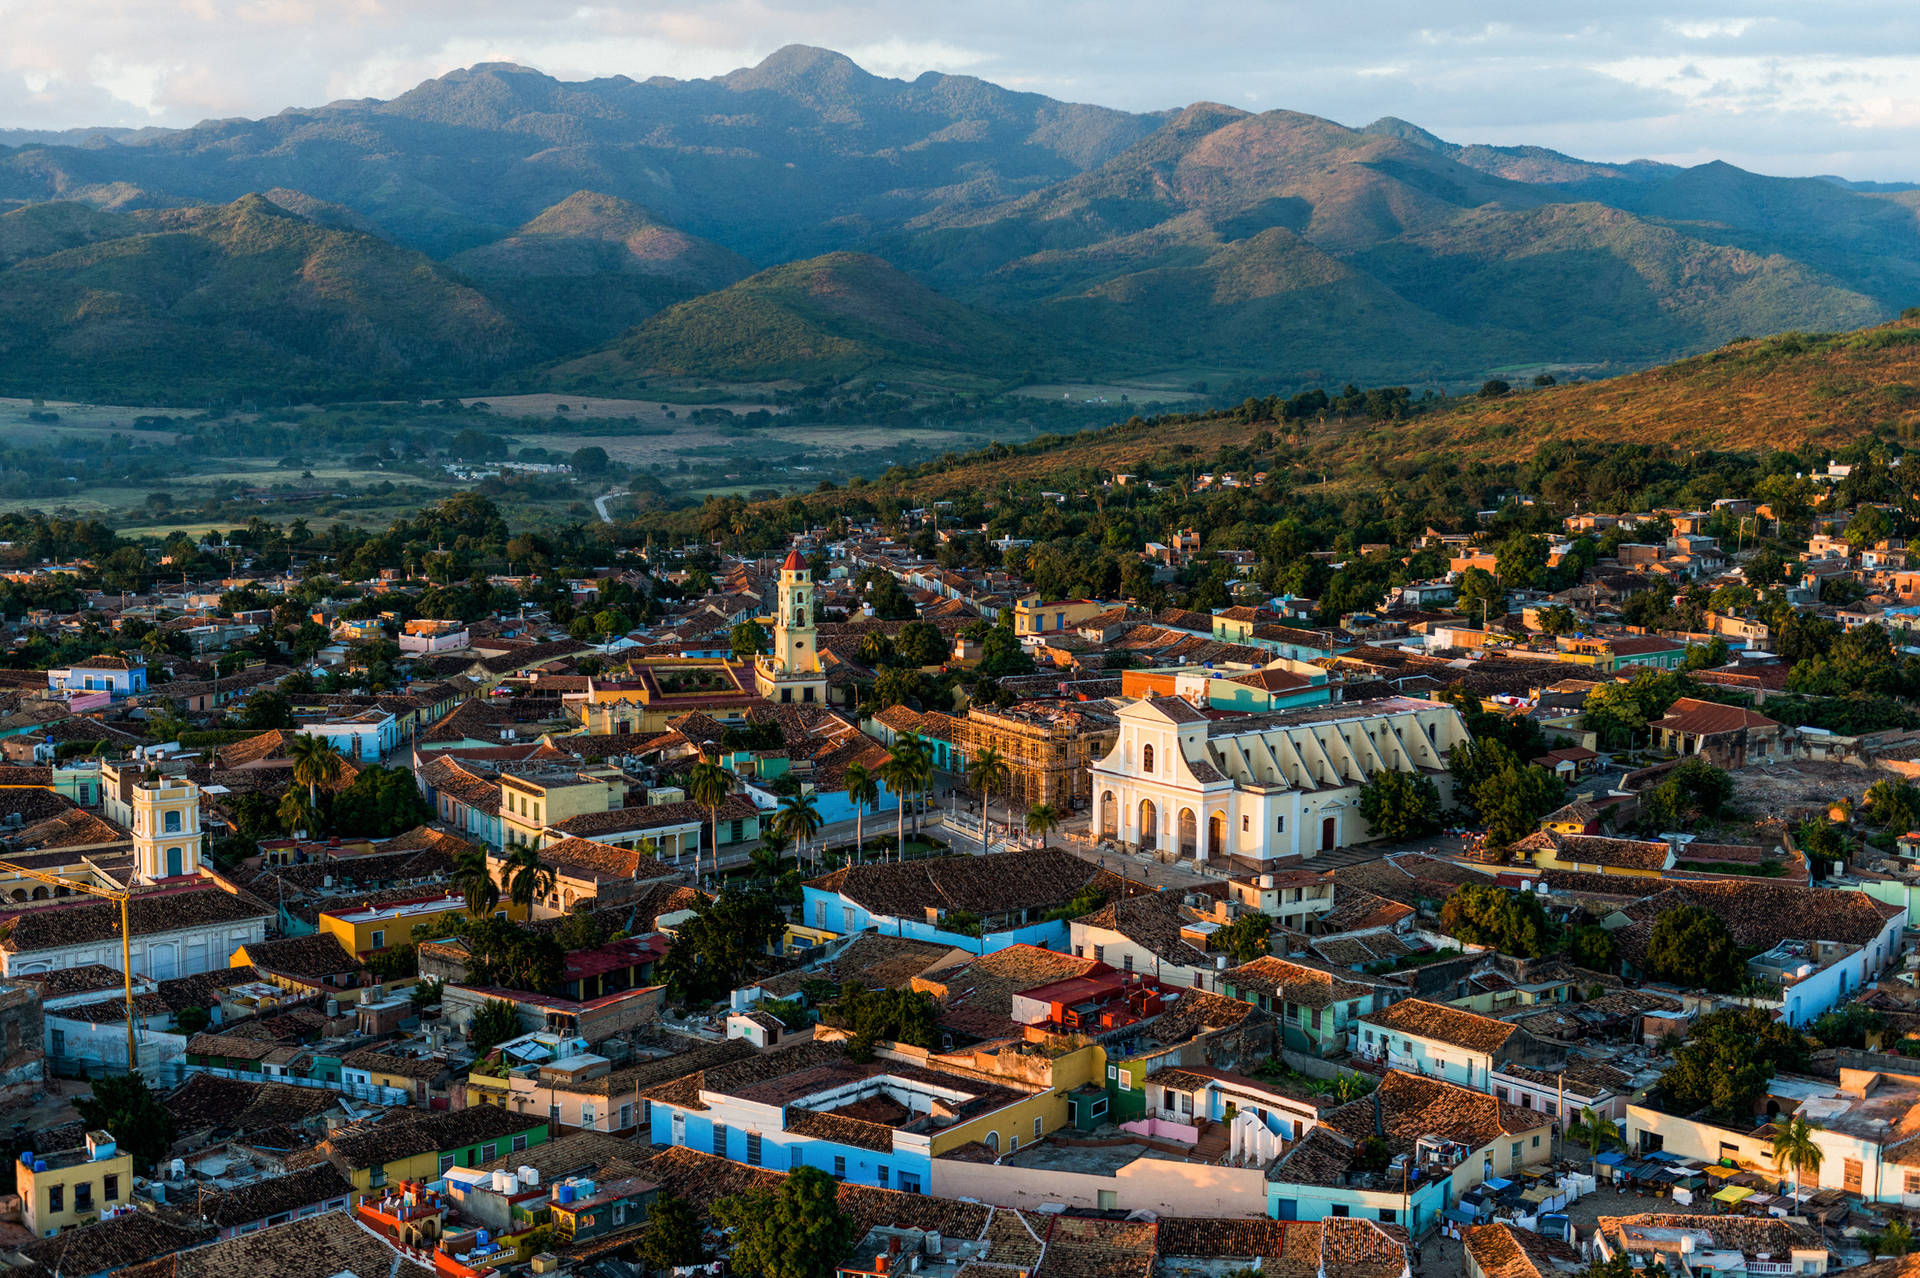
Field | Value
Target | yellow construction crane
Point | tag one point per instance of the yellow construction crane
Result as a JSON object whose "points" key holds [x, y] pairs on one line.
{"points": [[126, 935]]}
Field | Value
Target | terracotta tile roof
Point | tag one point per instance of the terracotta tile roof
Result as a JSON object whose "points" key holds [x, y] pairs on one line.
{"points": [[314, 956], [84, 979], [654, 816], [114, 1244], [232, 1104], [33, 805], [1626, 854], [150, 913], [1506, 1251], [978, 995], [274, 744], [20, 775], [571, 1154], [1356, 908], [603, 861], [447, 776], [1413, 1105], [72, 829], [1176, 710], [1444, 1024], [1709, 718], [1353, 1248], [1152, 922], [321, 1246], [1080, 1247], [684, 1090], [1751, 1235], [876, 962], [404, 1137], [1760, 915], [272, 1196], [418, 1067], [1284, 980], [840, 1129], [983, 885]]}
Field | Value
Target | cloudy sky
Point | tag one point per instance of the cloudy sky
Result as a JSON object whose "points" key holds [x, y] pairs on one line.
{"points": [[1832, 87]]}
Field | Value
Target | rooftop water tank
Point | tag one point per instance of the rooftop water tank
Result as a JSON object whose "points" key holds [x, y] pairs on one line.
{"points": [[564, 1193]]}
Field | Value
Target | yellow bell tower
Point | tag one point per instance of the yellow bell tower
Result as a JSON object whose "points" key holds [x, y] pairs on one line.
{"points": [[792, 671], [166, 829]]}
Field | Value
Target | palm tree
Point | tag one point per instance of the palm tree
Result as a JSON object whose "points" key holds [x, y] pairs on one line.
{"points": [[1595, 1131], [1043, 820], [767, 857], [798, 819], [987, 770], [297, 814], [473, 877], [920, 772], [527, 878], [315, 763], [1795, 1147], [901, 774], [708, 785], [863, 791], [1896, 1239]]}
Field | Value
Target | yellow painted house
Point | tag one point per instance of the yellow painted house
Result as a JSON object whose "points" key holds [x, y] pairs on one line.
{"points": [[64, 1188], [424, 1147], [369, 928], [1594, 854]]}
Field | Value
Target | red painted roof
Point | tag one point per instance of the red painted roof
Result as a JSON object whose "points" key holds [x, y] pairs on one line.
{"points": [[794, 562]]}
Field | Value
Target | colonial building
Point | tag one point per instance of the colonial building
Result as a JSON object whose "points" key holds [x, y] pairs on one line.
{"points": [[1046, 745], [791, 672], [166, 829], [1260, 786]]}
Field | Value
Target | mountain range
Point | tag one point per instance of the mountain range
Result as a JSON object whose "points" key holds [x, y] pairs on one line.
{"points": [[804, 220]]}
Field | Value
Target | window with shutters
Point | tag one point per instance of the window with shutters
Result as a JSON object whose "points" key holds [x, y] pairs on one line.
{"points": [[1853, 1175], [753, 1149], [720, 1139], [839, 1166]]}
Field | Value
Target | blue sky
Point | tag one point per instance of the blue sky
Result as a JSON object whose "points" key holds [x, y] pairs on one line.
{"points": [[1832, 87]]}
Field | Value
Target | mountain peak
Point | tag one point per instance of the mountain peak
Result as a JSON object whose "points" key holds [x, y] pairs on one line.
{"points": [[796, 66], [593, 215], [1392, 126]]}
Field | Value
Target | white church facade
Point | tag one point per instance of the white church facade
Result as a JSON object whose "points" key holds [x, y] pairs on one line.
{"points": [[1260, 786]]}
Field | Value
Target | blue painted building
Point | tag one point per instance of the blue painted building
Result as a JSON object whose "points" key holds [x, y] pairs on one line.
{"points": [[1008, 895], [110, 673]]}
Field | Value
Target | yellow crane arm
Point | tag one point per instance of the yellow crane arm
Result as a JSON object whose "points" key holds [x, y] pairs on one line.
{"points": [[126, 933]]}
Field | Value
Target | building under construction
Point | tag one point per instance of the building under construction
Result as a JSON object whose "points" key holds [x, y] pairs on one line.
{"points": [[1047, 746]]}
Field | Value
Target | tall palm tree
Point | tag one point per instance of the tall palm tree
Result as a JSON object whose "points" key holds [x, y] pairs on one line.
{"points": [[528, 879], [920, 765], [315, 763], [798, 819], [768, 856], [1595, 1131], [473, 878], [708, 785], [987, 770], [1795, 1147], [901, 774], [863, 791], [1043, 820]]}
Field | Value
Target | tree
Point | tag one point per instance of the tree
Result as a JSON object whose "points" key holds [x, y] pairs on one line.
{"points": [[1724, 1065], [1480, 596], [381, 803], [708, 785], [909, 1017], [902, 772], [1511, 922], [672, 1239], [1247, 938], [794, 1231], [1596, 1131], [1494, 388], [920, 643], [473, 879], [1001, 655], [798, 819], [266, 710], [591, 460], [495, 1023], [712, 951], [1795, 1146], [1512, 801], [507, 955], [1557, 619], [1691, 947], [1694, 790], [1400, 805], [298, 815], [315, 763], [863, 791], [1043, 820], [1522, 560], [123, 1106], [191, 1020], [528, 878], [749, 639], [1592, 947], [986, 770]]}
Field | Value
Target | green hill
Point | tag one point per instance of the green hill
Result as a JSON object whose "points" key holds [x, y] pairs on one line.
{"points": [[593, 266], [184, 305], [825, 319]]}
